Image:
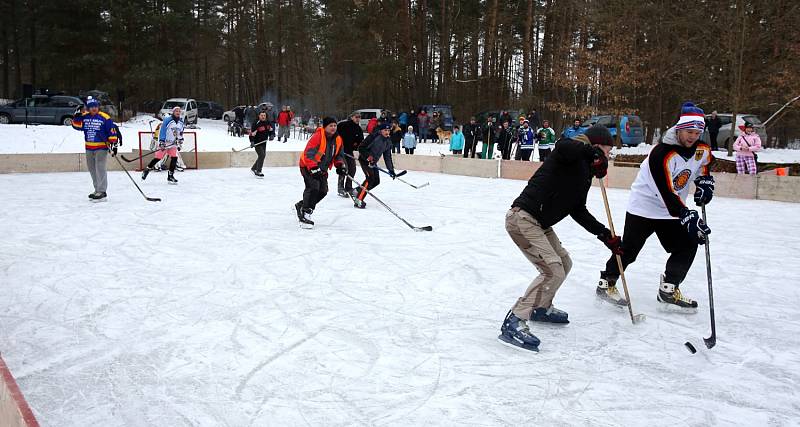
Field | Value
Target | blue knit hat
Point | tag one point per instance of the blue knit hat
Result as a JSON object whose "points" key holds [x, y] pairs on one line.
{"points": [[692, 117], [384, 126], [91, 102]]}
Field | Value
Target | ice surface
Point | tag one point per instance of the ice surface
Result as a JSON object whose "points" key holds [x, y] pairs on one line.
{"points": [[212, 308]]}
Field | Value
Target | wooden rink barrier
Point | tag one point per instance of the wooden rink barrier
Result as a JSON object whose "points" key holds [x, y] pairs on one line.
{"points": [[14, 409]]}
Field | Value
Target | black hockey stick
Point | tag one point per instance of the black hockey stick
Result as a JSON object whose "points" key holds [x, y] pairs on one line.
{"points": [[712, 340], [149, 199], [249, 146], [137, 158], [425, 228], [397, 176]]}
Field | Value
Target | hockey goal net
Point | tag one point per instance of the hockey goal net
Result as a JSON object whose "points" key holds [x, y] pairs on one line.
{"points": [[187, 157]]}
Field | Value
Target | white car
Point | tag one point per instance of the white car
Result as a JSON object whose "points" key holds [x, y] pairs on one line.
{"points": [[188, 109], [367, 114]]}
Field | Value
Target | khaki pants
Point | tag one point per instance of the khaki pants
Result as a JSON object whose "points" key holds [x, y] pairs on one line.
{"points": [[543, 249]]}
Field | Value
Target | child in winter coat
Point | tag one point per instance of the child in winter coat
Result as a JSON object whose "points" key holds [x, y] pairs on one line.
{"points": [[746, 146], [457, 141], [410, 140]]}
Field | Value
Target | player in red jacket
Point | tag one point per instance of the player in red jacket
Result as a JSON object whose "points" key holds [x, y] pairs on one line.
{"points": [[322, 153], [285, 118]]}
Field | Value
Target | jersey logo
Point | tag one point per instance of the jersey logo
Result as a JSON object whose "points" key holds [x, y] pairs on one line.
{"points": [[698, 154], [681, 180]]}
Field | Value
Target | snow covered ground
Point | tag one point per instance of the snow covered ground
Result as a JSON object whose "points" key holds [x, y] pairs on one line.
{"points": [[212, 308], [213, 136]]}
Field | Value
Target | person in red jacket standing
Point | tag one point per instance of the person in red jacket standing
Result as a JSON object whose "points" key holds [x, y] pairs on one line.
{"points": [[285, 118], [322, 153]]}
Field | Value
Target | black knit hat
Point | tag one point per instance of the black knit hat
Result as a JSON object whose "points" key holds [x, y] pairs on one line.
{"points": [[599, 135], [328, 120]]}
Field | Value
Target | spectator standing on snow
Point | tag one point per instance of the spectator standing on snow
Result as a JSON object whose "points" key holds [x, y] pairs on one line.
{"points": [[573, 130], [99, 134], [403, 120], [423, 122], [410, 140], [435, 125], [471, 133], [412, 121], [713, 124], [547, 139], [489, 138], [505, 140], [526, 142], [457, 141], [533, 119], [371, 125], [746, 146], [285, 118], [396, 136]]}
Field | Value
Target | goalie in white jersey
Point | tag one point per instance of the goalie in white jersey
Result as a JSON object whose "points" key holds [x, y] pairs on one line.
{"points": [[656, 205]]}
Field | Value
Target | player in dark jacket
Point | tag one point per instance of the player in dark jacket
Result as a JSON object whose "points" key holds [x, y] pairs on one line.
{"points": [[376, 146], [352, 135], [323, 152], [259, 133], [557, 189]]}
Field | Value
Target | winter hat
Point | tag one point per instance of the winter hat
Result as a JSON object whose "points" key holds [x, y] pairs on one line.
{"points": [[384, 126], [599, 135], [328, 120], [91, 102], [692, 117], [748, 125]]}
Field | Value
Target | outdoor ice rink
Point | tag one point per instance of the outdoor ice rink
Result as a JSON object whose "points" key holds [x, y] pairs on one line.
{"points": [[212, 308]]}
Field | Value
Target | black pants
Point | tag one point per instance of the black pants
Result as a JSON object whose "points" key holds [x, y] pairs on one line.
{"points": [[543, 153], [409, 151], [712, 137], [456, 152], [261, 151], [372, 181], [316, 188], [469, 147], [396, 147], [524, 154], [344, 183], [673, 237], [172, 164]]}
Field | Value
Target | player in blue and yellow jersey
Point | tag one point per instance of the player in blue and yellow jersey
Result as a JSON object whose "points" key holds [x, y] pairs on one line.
{"points": [[100, 135]]}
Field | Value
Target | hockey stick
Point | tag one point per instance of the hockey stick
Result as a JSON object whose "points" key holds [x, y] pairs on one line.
{"points": [[137, 158], [397, 176], [149, 199], [712, 340], [634, 318], [425, 228], [249, 146]]}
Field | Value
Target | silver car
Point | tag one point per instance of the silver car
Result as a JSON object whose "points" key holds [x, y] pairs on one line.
{"points": [[725, 130], [41, 109]]}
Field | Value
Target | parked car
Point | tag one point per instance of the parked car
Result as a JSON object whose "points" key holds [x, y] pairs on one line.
{"points": [[209, 110], [632, 130], [445, 111], [725, 131], [188, 109], [369, 113], [41, 109], [231, 114]]}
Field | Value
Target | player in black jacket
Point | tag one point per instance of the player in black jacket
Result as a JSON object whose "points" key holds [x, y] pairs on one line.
{"points": [[376, 146], [352, 135], [259, 133], [557, 189]]}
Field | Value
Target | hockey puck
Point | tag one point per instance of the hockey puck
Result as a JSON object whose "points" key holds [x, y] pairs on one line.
{"points": [[690, 347]]}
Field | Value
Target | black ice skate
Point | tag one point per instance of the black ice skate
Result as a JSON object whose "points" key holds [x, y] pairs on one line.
{"points": [[258, 174], [98, 197], [607, 291], [146, 172], [514, 331], [342, 193], [299, 208], [305, 219], [549, 315], [171, 179], [673, 300], [359, 204]]}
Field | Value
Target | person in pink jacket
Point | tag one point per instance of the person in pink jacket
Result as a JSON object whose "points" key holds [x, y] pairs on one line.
{"points": [[746, 146]]}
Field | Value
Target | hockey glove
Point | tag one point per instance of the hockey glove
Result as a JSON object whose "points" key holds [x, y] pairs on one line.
{"points": [[162, 145], [371, 162], [341, 170], [180, 144], [315, 172], [697, 229], [392, 174], [613, 243], [599, 163], [705, 190]]}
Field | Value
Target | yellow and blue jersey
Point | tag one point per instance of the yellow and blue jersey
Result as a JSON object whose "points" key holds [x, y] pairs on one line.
{"points": [[98, 130]]}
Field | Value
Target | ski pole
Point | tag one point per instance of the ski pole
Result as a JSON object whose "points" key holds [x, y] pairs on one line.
{"points": [[634, 318], [425, 228]]}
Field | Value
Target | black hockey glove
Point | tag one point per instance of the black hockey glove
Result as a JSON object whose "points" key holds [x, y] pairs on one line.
{"points": [[180, 144], [599, 163], [697, 229], [392, 174], [341, 170], [705, 190], [613, 243], [315, 172]]}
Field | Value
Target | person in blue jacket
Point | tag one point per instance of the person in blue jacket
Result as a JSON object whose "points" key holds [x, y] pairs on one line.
{"points": [[100, 135], [573, 130], [526, 142], [457, 141]]}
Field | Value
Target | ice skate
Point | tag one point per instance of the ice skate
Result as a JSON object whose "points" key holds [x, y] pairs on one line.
{"points": [[550, 315], [98, 197], [673, 300], [146, 172], [514, 331], [305, 219], [359, 204], [607, 292], [171, 179]]}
